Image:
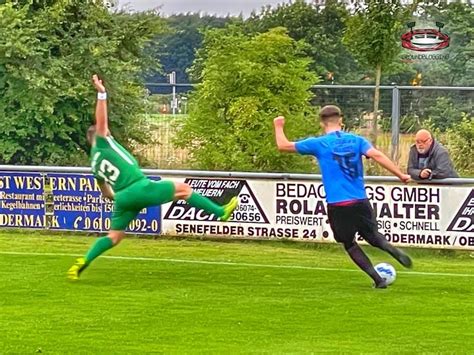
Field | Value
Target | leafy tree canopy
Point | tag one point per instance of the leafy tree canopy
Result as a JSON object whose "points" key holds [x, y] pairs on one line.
{"points": [[245, 81], [48, 52], [321, 27], [176, 49]]}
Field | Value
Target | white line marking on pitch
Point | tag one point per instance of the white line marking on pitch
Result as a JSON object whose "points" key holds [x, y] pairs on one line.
{"points": [[229, 263]]}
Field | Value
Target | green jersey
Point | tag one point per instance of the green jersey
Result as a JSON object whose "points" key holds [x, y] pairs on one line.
{"points": [[112, 163]]}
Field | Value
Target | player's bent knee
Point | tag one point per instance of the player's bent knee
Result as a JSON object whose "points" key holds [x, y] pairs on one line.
{"points": [[348, 244], [182, 191], [375, 240], [116, 236]]}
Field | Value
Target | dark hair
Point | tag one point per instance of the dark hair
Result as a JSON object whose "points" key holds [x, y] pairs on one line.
{"points": [[330, 113], [90, 133]]}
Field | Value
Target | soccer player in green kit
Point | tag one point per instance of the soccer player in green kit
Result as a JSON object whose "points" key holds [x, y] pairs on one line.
{"points": [[120, 179]]}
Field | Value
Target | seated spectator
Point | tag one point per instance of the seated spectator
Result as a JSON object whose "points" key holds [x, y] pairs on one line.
{"points": [[429, 159]]}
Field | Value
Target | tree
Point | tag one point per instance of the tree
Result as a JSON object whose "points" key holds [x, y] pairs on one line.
{"points": [[458, 20], [453, 67], [321, 27], [245, 81], [48, 52], [373, 37], [176, 48]]}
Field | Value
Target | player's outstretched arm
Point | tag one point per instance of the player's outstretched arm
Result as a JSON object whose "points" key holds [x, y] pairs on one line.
{"points": [[101, 119], [283, 144], [383, 160]]}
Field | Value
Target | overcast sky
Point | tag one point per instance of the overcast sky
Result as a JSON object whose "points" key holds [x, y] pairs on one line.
{"points": [[218, 7]]}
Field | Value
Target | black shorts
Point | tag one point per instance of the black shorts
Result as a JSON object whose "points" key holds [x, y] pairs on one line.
{"points": [[345, 221]]}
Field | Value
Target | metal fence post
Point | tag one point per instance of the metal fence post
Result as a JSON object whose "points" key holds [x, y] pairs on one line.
{"points": [[395, 124], [174, 105]]}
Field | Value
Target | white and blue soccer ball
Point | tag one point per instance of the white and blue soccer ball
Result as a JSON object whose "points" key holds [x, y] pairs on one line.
{"points": [[387, 272]]}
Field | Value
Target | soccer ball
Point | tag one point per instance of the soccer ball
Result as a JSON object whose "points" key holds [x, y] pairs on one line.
{"points": [[387, 272]]}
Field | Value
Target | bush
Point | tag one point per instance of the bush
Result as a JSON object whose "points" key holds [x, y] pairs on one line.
{"points": [[247, 80], [459, 141], [443, 113]]}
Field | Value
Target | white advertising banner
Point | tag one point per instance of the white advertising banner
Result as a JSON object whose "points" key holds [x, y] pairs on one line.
{"points": [[432, 216]]}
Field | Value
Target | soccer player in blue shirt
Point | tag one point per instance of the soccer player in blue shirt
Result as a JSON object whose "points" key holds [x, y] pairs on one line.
{"points": [[349, 211]]}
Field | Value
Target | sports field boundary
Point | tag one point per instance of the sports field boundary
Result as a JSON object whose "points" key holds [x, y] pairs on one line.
{"points": [[228, 263]]}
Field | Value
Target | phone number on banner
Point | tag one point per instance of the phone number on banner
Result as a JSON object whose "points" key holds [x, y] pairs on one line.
{"points": [[139, 225]]}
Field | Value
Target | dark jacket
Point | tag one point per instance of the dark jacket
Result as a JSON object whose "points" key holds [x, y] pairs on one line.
{"points": [[438, 161]]}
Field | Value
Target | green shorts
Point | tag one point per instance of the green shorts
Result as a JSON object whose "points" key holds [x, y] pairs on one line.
{"points": [[141, 194]]}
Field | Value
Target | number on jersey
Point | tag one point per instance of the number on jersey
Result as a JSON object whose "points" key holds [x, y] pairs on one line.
{"points": [[347, 164], [108, 172]]}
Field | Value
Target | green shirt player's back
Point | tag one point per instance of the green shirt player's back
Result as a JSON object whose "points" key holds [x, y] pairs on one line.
{"points": [[112, 163]]}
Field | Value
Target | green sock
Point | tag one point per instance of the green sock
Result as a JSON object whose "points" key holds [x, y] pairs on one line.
{"points": [[205, 204], [100, 246]]}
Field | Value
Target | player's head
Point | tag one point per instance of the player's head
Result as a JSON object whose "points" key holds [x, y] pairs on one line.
{"points": [[91, 134], [330, 115], [423, 141]]}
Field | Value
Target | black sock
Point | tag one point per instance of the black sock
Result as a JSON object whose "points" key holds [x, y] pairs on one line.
{"points": [[363, 262], [380, 242]]}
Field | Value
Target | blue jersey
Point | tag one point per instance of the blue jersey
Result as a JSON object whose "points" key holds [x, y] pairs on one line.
{"points": [[340, 158]]}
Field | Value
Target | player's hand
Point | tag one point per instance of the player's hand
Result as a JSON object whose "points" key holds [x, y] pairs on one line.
{"points": [[279, 121], [425, 173], [98, 83], [405, 178]]}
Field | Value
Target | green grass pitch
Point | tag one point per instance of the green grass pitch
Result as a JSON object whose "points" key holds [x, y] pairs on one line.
{"points": [[191, 296]]}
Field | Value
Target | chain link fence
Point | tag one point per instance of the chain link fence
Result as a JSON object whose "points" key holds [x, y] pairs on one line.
{"points": [[402, 111]]}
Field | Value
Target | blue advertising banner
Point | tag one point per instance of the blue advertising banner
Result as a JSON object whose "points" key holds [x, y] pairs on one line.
{"points": [[70, 202], [22, 200]]}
